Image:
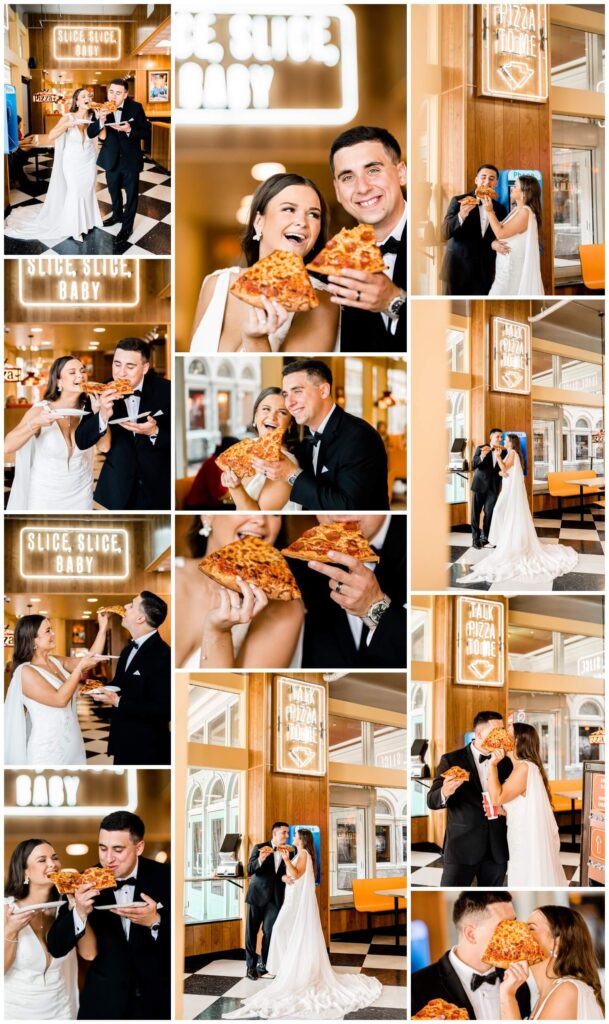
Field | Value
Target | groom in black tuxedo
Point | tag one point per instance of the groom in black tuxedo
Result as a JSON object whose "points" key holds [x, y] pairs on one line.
{"points": [[474, 846], [341, 462], [469, 260], [139, 729], [130, 978], [486, 484], [369, 179], [137, 470], [461, 976], [265, 895], [121, 154]]}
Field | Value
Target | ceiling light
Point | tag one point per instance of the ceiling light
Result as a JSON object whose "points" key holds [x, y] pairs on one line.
{"points": [[161, 857], [99, 330], [77, 849], [36, 330], [93, 600], [44, 611], [35, 600], [264, 170]]}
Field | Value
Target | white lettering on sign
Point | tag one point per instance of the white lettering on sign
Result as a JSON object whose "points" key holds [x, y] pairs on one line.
{"points": [[83, 42], [40, 792], [591, 665], [66, 553], [480, 645], [511, 342], [301, 728], [514, 51], [100, 282], [236, 68]]}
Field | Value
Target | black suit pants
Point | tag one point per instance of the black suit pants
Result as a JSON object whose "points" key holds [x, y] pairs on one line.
{"points": [[487, 872], [127, 178], [256, 916], [482, 503]]}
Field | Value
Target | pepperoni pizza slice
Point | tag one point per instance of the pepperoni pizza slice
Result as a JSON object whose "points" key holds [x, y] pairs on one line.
{"points": [[350, 249], [439, 1009], [113, 609], [456, 772], [281, 277], [257, 563], [239, 456], [344, 537], [510, 943]]}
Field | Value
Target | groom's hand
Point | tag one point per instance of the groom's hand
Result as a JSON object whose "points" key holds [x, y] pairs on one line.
{"points": [[150, 428], [83, 900], [358, 288], [106, 697], [280, 470], [359, 588], [450, 786], [146, 916]]}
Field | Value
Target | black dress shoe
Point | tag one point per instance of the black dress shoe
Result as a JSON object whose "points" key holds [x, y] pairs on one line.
{"points": [[476, 544], [252, 974], [112, 220], [123, 236], [262, 971]]}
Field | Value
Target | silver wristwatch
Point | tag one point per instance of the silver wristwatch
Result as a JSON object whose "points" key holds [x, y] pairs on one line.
{"points": [[395, 306], [294, 477], [376, 611]]}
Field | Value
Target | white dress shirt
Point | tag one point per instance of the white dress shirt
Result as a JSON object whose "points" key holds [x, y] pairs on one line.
{"points": [[389, 260], [356, 624], [482, 766], [139, 641], [485, 1000], [320, 429]]}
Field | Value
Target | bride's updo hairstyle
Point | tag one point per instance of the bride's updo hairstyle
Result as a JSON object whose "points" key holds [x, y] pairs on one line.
{"points": [[73, 105], [531, 193], [15, 882], [307, 841], [516, 447], [53, 390], [575, 957], [262, 196], [526, 748], [26, 632]]}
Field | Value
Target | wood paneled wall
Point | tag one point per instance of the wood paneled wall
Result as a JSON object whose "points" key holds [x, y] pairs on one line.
{"points": [[348, 919], [209, 938]]}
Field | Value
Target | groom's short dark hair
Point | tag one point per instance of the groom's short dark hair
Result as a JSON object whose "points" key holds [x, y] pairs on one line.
{"points": [[135, 345], [489, 167], [124, 821], [476, 902], [365, 133], [153, 607], [279, 824], [312, 367], [119, 81], [496, 430], [486, 716]]}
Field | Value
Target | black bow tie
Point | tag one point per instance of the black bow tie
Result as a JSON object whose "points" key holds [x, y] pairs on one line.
{"points": [[314, 438], [483, 757], [118, 110], [120, 882], [133, 645], [391, 245], [138, 392], [486, 979]]}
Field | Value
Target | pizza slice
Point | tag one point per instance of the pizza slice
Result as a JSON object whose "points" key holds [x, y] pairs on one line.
{"points": [[101, 878], [90, 685], [351, 249], [281, 277], [498, 738], [344, 537], [511, 942], [121, 387], [239, 456], [66, 881], [486, 192], [439, 1009], [257, 563], [108, 106], [113, 609], [456, 772]]}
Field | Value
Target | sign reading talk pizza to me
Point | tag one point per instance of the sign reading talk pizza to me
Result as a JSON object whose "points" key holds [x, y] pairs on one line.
{"points": [[480, 646], [513, 40], [68, 553], [301, 727], [103, 282], [511, 343], [87, 42]]}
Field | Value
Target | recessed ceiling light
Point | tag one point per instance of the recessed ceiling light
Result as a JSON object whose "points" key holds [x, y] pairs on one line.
{"points": [[264, 170], [36, 330], [99, 330], [35, 600], [160, 857], [93, 600], [77, 849]]}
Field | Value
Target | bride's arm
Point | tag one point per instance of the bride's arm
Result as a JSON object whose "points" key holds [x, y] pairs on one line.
{"points": [[62, 126], [562, 1004], [35, 686], [297, 869], [515, 785], [35, 418], [97, 647], [515, 976], [506, 465], [512, 225]]}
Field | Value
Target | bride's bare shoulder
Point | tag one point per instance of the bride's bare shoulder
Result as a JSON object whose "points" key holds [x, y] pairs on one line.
{"points": [[562, 1003]]}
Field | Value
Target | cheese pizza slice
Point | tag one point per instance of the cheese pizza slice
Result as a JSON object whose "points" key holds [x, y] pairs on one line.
{"points": [[456, 772], [498, 738], [511, 942], [90, 685], [257, 563], [239, 456], [280, 277], [351, 249], [344, 537], [439, 1009]]}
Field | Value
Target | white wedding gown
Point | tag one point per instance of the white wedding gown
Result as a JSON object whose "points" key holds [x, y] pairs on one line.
{"points": [[532, 837], [304, 986], [37, 987], [519, 273], [48, 478], [519, 555], [39, 734], [70, 208], [587, 1006]]}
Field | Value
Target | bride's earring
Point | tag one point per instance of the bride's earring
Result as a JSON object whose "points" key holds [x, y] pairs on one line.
{"points": [[59, 387], [205, 530], [257, 236], [26, 881]]}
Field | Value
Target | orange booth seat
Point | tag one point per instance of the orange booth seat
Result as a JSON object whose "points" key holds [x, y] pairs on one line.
{"points": [[183, 486], [563, 803], [592, 258], [559, 489], [367, 901]]}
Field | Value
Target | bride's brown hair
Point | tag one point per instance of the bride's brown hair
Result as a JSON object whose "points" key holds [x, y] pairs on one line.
{"points": [[307, 841], [531, 193], [15, 882], [526, 742], [516, 447], [575, 957], [24, 639]]}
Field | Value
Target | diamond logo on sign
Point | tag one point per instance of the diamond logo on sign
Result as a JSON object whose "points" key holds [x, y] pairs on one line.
{"points": [[512, 378], [513, 44], [480, 642], [481, 668], [511, 347], [302, 756]]}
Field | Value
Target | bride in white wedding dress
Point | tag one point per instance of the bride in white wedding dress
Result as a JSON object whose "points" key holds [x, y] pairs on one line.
{"points": [[519, 555], [518, 271], [51, 472], [70, 208], [532, 833], [40, 720], [304, 986]]}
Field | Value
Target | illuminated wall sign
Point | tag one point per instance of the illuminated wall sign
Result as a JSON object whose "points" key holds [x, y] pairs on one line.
{"points": [[87, 42], [12, 374], [9, 636], [511, 356], [67, 553], [104, 282], [479, 642], [591, 665], [262, 68], [301, 727], [78, 794], [514, 51]]}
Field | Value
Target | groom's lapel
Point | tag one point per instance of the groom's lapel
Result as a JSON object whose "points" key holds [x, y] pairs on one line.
{"points": [[474, 768]]}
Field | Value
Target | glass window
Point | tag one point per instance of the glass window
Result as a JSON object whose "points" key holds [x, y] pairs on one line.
{"points": [[577, 58], [214, 717], [420, 634], [196, 410], [543, 370], [577, 191], [420, 729], [212, 810], [576, 375], [456, 486], [390, 745], [565, 438], [544, 651], [456, 339], [389, 829], [354, 386], [355, 742], [346, 742], [397, 414]]}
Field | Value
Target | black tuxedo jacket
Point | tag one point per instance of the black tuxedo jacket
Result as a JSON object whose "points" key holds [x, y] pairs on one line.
{"points": [[469, 833], [441, 981], [123, 148], [487, 477], [124, 968], [136, 473], [265, 883], [351, 468], [469, 261], [139, 728], [328, 640], [362, 331]]}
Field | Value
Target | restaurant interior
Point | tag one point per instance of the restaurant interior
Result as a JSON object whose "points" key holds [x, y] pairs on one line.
{"points": [[215, 398], [125, 555], [547, 670], [460, 120], [238, 769], [220, 166], [463, 360]]}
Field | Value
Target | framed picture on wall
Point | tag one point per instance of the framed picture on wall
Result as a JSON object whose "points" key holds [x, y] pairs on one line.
{"points": [[158, 86]]}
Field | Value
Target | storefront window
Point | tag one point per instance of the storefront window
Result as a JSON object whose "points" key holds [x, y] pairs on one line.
{"points": [[456, 346], [214, 717], [420, 634], [577, 191], [367, 836], [389, 829], [346, 740], [212, 811], [420, 729], [577, 58], [563, 722], [553, 371], [389, 747], [355, 742], [354, 386], [456, 486], [565, 438], [544, 651]]}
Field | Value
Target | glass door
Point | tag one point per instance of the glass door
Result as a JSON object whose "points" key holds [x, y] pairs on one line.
{"points": [[546, 726], [347, 850], [573, 205]]}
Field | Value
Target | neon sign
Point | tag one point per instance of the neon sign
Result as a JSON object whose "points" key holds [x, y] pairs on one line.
{"points": [[87, 42], [68, 553], [301, 727], [514, 51], [107, 282], [511, 356], [480, 630]]}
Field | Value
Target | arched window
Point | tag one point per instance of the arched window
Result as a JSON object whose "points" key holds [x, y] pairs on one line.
{"points": [[582, 424], [197, 368], [418, 697], [590, 709], [382, 807], [217, 790], [195, 799], [225, 369]]}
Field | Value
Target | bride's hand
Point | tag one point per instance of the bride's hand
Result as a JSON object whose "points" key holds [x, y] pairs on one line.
{"points": [[515, 976], [497, 755], [487, 203], [15, 923], [260, 323], [233, 608], [89, 660], [230, 480], [44, 416]]}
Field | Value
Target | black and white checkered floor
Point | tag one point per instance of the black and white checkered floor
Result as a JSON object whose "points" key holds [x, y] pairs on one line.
{"points": [[587, 538], [426, 868], [219, 986], [151, 235], [94, 721]]}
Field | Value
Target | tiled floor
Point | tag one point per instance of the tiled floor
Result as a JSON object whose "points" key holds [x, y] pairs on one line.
{"points": [[94, 721], [151, 235], [219, 987], [427, 868], [587, 537]]}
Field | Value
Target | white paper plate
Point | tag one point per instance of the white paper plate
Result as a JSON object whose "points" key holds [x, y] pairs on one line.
{"points": [[100, 689], [36, 906], [121, 906]]}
